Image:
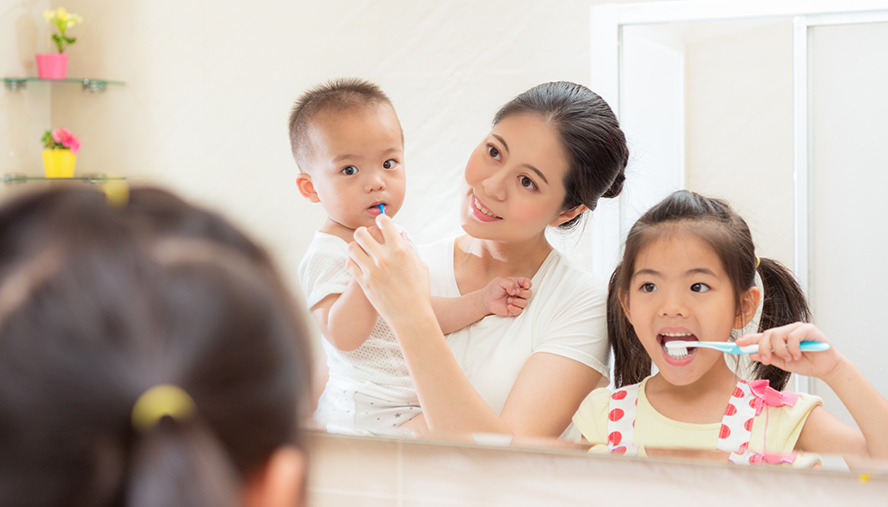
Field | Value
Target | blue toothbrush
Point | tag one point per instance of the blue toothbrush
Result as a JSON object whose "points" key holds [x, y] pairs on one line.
{"points": [[680, 348], [382, 209]]}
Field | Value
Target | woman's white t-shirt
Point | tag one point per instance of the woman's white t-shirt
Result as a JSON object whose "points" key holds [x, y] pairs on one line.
{"points": [[566, 316]]}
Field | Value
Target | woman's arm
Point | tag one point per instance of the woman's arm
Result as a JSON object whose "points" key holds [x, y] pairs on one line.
{"points": [[542, 400], [546, 394], [823, 432]]}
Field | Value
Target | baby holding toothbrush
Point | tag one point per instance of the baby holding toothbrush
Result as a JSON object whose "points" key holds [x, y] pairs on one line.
{"points": [[349, 146], [688, 274]]}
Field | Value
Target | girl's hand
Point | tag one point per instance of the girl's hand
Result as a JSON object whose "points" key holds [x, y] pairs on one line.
{"points": [[779, 346], [389, 271], [506, 296]]}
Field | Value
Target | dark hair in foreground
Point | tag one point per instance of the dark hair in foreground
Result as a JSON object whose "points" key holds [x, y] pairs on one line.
{"points": [[99, 303], [713, 221], [336, 95], [590, 134]]}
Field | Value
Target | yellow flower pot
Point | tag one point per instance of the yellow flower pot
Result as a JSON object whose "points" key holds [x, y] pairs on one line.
{"points": [[59, 163]]}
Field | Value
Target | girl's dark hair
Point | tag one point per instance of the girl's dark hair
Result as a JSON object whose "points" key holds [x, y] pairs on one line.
{"points": [[590, 133], [713, 221], [99, 303]]}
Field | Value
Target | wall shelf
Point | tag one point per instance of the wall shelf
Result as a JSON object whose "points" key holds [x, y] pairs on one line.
{"points": [[89, 85], [12, 179]]}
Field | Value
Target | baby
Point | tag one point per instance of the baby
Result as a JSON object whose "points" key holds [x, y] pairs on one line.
{"points": [[349, 147]]}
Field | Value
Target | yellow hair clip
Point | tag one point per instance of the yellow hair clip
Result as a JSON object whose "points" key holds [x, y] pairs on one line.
{"points": [[116, 191], [757, 262], [159, 401]]}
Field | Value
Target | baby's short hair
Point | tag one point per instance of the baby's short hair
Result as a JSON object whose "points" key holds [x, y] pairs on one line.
{"points": [[336, 95]]}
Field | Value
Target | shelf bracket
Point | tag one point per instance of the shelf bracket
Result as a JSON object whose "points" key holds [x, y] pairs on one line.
{"points": [[91, 86], [14, 85]]}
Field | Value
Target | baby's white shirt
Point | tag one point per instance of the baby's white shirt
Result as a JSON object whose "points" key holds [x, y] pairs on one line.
{"points": [[376, 368]]}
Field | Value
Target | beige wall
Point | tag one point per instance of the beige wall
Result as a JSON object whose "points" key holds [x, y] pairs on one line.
{"points": [[209, 86], [23, 116]]}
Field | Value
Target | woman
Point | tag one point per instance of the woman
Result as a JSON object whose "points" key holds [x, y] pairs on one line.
{"points": [[553, 151], [149, 356]]}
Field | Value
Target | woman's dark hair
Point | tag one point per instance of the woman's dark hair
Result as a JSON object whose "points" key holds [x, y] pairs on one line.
{"points": [[590, 133], [713, 221], [99, 303]]}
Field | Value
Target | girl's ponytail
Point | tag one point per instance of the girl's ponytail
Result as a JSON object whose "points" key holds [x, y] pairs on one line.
{"points": [[180, 465], [631, 362], [784, 304]]}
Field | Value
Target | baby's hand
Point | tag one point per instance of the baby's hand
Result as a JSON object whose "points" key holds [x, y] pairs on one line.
{"points": [[506, 296], [779, 346]]}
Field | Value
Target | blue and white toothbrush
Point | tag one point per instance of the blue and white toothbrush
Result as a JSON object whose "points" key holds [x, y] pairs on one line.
{"points": [[680, 348]]}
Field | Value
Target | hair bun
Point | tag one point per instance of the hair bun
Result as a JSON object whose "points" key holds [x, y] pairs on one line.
{"points": [[617, 186]]}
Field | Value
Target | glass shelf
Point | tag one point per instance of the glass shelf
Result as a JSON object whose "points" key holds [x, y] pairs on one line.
{"points": [[89, 85], [12, 179]]}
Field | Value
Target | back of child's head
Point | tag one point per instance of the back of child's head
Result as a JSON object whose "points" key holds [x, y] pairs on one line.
{"points": [[727, 234], [101, 303], [335, 96]]}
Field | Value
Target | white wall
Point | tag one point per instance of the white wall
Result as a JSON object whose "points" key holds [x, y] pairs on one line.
{"points": [[739, 126], [849, 76]]}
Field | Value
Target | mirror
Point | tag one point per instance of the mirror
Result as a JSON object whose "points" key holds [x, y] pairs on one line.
{"points": [[771, 113], [207, 96]]}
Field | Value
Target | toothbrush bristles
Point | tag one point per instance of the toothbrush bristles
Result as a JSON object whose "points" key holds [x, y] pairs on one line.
{"points": [[678, 352]]}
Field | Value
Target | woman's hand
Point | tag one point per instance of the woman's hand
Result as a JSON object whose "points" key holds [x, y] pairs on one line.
{"points": [[506, 296], [780, 347], [389, 271]]}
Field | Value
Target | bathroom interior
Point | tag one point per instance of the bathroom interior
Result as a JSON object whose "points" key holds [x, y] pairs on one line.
{"points": [[778, 106]]}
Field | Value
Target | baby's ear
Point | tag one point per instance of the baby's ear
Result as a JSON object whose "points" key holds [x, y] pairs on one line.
{"points": [[306, 187]]}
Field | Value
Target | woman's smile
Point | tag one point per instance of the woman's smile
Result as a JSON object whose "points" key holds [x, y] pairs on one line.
{"points": [[482, 212]]}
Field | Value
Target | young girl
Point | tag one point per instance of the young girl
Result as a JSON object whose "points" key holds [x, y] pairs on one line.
{"points": [[688, 273], [149, 355]]}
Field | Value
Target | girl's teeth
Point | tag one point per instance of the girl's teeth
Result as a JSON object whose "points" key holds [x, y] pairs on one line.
{"points": [[482, 210]]}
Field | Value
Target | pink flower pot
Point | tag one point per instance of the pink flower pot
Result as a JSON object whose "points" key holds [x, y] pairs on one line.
{"points": [[52, 65]]}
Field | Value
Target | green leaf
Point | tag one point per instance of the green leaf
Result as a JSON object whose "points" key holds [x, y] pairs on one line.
{"points": [[59, 42], [71, 40], [48, 141]]}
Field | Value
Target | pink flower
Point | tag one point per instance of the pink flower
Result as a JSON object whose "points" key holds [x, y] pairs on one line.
{"points": [[75, 144], [60, 135], [67, 139]]}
